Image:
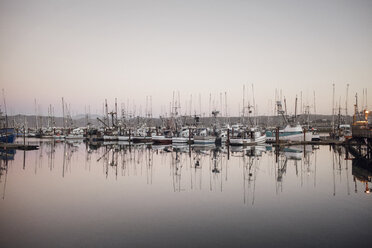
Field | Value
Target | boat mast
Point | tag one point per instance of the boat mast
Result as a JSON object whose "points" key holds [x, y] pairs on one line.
{"points": [[243, 104], [36, 122], [314, 108], [63, 113], [347, 93], [254, 107], [295, 109], [6, 116], [333, 109]]}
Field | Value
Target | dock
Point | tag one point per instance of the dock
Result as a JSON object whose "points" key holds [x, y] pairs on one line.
{"points": [[319, 142], [18, 146]]}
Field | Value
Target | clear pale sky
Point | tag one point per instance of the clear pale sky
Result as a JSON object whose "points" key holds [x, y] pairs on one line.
{"points": [[87, 51]]}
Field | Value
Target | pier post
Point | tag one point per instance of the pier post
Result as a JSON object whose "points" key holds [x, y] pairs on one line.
{"points": [[189, 136], [277, 136], [228, 152], [24, 135]]}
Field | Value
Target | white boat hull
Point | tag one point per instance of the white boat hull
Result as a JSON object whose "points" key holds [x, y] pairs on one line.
{"points": [[204, 140], [78, 136], [123, 138], [240, 142], [58, 137], [110, 137], [293, 137], [179, 140]]}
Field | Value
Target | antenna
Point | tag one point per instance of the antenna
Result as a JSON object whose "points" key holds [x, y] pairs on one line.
{"points": [[285, 106], [210, 99], [36, 122], [221, 104], [200, 104], [333, 109], [296, 108], [190, 109], [314, 107], [116, 111], [106, 113], [254, 103], [366, 100], [347, 97], [225, 104], [243, 102], [301, 109]]}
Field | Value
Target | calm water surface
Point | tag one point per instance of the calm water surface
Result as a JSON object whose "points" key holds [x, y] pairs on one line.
{"points": [[74, 195]]}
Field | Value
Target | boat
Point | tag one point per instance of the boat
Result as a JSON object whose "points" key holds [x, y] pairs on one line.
{"points": [[316, 135], [252, 137], [123, 138], [203, 138], [142, 139], [183, 137], [235, 141], [77, 133], [7, 135], [165, 139], [109, 137], [290, 133], [162, 139], [344, 132], [94, 135], [59, 136]]}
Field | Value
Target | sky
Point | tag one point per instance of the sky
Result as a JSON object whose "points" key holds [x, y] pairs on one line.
{"points": [[89, 51]]}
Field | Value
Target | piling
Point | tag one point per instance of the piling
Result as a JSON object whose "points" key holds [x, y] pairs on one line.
{"points": [[129, 136], [189, 136], [277, 136], [228, 137]]}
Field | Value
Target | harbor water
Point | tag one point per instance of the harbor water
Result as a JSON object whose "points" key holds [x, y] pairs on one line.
{"points": [[114, 195]]}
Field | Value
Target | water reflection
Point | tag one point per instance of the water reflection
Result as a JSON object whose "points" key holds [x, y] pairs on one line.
{"points": [[195, 167], [131, 193]]}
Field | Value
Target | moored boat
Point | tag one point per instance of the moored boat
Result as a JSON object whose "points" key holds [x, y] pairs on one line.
{"points": [[290, 133]]}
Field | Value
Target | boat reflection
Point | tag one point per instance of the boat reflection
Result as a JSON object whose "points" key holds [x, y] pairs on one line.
{"points": [[362, 173], [193, 167]]}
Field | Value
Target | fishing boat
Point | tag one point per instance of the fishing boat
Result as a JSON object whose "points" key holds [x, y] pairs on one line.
{"points": [[293, 131], [252, 137], [161, 139], [235, 141], [58, 135], [316, 135], [183, 137], [94, 135], [77, 133], [164, 139], [290, 133], [203, 137]]}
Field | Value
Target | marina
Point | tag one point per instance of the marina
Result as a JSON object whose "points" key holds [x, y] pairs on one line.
{"points": [[173, 123], [186, 180]]}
